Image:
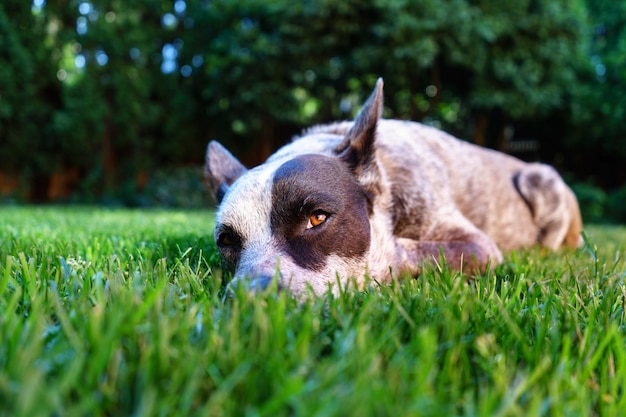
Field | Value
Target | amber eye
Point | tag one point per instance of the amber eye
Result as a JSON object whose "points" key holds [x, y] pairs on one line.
{"points": [[316, 219]]}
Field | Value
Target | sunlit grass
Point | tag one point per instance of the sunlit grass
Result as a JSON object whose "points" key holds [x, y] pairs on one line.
{"points": [[120, 312]]}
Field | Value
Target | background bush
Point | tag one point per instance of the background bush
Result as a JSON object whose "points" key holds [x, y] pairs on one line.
{"points": [[597, 205]]}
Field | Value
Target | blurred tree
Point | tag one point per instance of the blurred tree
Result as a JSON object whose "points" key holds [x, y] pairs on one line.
{"points": [[112, 90], [446, 60], [532, 51], [494, 61], [29, 95], [271, 66], [597, 120]]}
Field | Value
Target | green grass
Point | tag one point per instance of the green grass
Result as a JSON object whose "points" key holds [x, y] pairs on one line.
{"points": [[120, 312]]}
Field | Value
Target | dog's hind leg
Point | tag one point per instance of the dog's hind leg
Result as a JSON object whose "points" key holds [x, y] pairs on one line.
{"points": [[553, 205]]}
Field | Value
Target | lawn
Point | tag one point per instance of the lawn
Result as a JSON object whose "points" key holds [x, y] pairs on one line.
{"points": [[120, 312]]}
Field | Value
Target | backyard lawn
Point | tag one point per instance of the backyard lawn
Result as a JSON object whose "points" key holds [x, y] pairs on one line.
{"points": [[119, 312]]}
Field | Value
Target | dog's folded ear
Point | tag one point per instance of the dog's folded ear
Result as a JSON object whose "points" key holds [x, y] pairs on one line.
{"points": [[357, 149], [221, 170]]}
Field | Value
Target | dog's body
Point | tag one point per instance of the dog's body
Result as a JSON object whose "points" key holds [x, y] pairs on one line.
{"points": [[379, 196]]}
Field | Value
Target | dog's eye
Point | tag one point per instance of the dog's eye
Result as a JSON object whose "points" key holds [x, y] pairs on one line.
{"points": [[227, 239], [317, 218]]}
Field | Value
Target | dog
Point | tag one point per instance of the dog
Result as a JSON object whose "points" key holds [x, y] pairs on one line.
{"points": [[377, 197]]}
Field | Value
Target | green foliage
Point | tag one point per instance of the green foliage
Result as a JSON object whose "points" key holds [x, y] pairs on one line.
{"points": [[114, 91], [28, 91], [598, 107], [597, 205], [121, 312], [615, 208], [179, 187], [529, 60], [592, 201], [607, 51]]}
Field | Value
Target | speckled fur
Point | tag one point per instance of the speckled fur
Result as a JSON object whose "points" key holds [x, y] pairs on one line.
{"points": [[429, 192]]}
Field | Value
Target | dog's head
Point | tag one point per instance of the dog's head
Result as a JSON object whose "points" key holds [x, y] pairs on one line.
{"points": [[302, 217]]}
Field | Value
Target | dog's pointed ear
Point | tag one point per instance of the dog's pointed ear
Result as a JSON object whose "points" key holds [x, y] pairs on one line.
{"points": [[221, 170], [357, 149]]}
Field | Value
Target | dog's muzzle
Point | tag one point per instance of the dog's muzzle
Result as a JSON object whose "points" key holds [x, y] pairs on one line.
{"points": [[258, 283]]}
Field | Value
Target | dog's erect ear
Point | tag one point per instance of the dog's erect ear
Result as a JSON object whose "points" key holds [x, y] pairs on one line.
{"points": [[357, 149], [221, 170]]}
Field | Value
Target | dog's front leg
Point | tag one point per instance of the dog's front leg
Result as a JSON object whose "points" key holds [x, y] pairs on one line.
{"points": [[471, 256]]}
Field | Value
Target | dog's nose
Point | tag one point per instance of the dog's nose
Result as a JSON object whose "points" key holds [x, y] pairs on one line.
{"points": [[256, 283], [260, 283]]}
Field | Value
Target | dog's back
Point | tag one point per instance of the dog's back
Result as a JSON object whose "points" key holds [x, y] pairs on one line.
{"points": [[427, 171]]}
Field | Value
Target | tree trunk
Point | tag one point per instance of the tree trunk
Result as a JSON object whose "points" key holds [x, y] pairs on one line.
{"points": [[108, 157], [265, 146], [39, 186], [480, 127]]}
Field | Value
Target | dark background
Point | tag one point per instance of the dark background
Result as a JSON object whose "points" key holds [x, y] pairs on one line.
{"points": [[113, 102]]}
